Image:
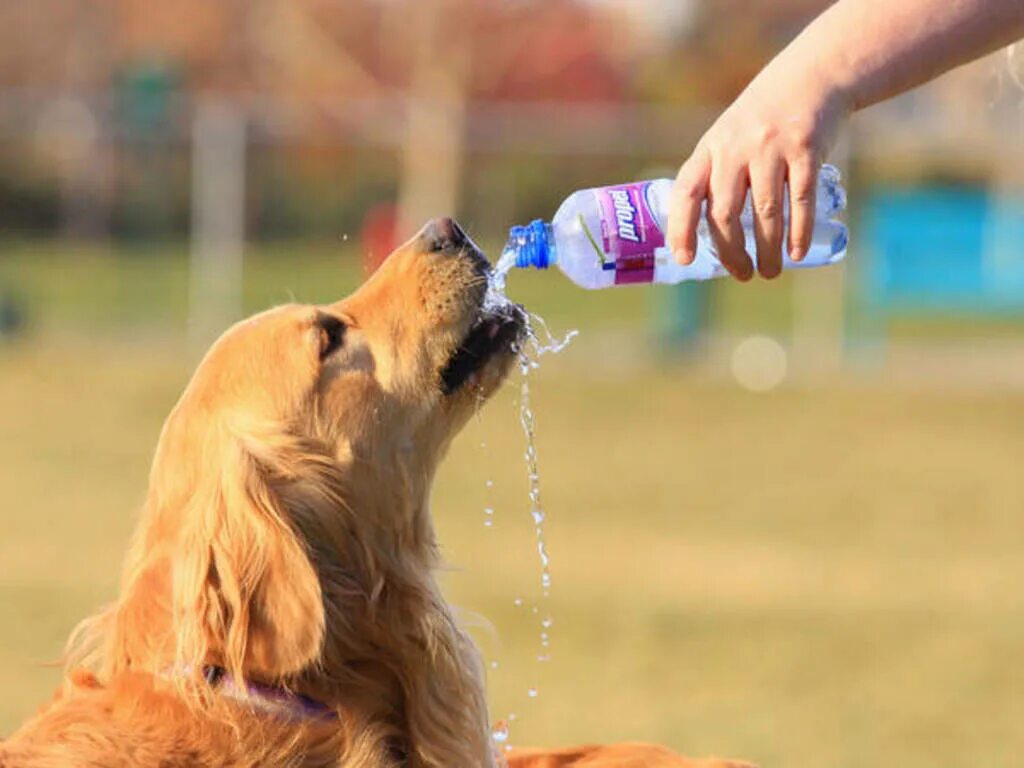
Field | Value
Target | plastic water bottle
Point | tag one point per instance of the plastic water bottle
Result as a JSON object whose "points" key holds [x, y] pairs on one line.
{"points": [[616, 236]]}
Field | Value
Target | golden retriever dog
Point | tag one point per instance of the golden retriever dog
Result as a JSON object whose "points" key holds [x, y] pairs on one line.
{"points": [[278, 604]]}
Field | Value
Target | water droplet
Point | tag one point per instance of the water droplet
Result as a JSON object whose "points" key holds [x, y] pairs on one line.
{"points": [[488, 524], [488, 511], [534, 609], [531, 692], [542, 553], [544, 658], [489, 484], [547, 622], [512, 717], [494, 665], [500, 732], [518, 602]]}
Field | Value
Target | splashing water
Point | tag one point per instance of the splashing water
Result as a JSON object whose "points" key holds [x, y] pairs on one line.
{"points": [[499, 276], [500, 732], [538, 341], [533, 475]]}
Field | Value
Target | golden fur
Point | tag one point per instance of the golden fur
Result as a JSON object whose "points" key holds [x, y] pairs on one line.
{"points": [[286, 538]]}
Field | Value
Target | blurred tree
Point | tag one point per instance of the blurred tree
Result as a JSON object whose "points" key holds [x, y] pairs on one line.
{"points": [[722, 49], [402, 75]]}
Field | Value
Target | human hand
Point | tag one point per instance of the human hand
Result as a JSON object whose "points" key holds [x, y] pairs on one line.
{"points": [[776, 133]]}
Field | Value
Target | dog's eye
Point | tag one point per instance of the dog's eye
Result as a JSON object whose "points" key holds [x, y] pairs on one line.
{"points": [[332, 335]]}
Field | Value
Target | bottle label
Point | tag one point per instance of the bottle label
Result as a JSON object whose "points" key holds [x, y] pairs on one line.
{"points": [[629, 232]]}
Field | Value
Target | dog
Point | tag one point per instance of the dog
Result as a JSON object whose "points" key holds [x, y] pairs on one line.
{"points": [[278, 603]]}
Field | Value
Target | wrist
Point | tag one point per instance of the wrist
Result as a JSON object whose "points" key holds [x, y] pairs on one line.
{"points": [[825, 86], [809, 96]]}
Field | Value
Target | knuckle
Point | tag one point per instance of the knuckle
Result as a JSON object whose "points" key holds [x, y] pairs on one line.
{"points": [[802, 137], [721, 218], [721, 144], [716, 139], [805, 141], [802, 193], [724, 210], [689, 191], [767, 208], [765, 134]]}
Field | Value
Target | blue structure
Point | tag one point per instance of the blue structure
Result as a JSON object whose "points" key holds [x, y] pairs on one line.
{"points": [[942, 250]]}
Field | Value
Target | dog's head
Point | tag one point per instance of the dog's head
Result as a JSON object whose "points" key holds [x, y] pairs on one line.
{"points": [[386, 375], [299, 459]]}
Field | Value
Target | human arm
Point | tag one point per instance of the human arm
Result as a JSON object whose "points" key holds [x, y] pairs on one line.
{"points": [[778, 131]]}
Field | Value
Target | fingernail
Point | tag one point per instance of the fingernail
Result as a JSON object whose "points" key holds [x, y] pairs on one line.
{"points": [[797, 254], [682, 256]]}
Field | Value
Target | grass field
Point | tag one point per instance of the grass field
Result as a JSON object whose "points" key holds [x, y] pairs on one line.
{"points": [[823, 576]]}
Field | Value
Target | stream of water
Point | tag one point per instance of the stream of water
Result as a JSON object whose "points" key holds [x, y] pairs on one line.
{"points": [[538, 341]]}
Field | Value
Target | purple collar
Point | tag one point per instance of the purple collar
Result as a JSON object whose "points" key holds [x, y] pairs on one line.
{"points": [[279, 701]]}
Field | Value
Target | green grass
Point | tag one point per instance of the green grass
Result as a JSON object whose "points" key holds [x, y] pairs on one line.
{"points": [[813, 577], [108, 289]]}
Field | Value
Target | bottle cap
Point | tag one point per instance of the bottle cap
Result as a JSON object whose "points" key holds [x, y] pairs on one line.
{"points": [[531, 244]]}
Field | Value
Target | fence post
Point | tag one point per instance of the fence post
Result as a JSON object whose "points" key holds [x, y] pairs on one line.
{"points": [[432, 149], [218, 219]]}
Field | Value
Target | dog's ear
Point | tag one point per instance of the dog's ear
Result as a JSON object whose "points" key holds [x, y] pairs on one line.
{"points": [[245, 592]]}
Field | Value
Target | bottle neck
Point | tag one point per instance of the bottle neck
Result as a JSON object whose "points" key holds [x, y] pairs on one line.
{"points": [[533, 245]]}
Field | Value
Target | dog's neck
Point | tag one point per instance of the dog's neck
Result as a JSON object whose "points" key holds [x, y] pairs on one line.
{"points": [[392, 652], [274, 700]]}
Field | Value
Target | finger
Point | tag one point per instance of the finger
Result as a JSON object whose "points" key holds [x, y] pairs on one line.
{"points": [[803, 179], [766, 189], [688, 195], [726, 193]]}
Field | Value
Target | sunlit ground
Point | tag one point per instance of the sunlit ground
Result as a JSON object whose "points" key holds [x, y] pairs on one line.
{"points": [[824, 576]]}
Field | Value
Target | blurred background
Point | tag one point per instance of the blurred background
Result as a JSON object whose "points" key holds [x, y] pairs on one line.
{"points": [[786, 520]]}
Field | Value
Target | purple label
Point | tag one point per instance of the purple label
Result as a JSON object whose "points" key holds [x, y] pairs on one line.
{"points": [[629, 231]]}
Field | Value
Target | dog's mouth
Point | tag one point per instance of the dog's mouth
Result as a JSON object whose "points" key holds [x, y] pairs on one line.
{"points": [[494, 332]]}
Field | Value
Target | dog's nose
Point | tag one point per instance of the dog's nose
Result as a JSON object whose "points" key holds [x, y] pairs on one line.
{"points": [[444, 234]]}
